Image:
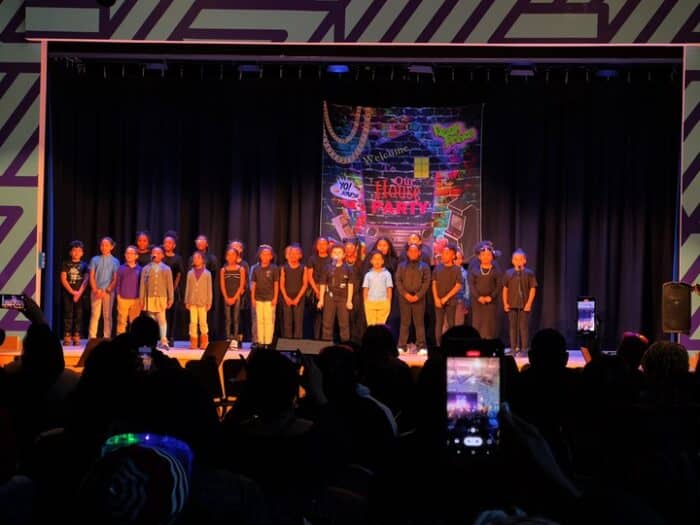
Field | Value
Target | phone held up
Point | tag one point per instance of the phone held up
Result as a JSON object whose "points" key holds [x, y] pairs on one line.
{"points": [[12, 301], [586, 316], [474, 384]]}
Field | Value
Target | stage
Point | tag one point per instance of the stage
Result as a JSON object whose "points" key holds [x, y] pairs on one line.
{"points": [[182, 352]]}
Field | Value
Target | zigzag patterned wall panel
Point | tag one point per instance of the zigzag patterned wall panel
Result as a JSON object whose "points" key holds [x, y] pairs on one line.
{"points": [[365, 21], [690, 198], [19, 150], [434, 21]]}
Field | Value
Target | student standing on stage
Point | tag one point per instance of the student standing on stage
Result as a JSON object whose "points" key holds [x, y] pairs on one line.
{"points": [[103, 279], [353, 258], [264, 292], [128, 279], [74, 280], [199, 294], [293, 285], [412, 284], [143, 248], [484, 287], [177, 267], [211, 263], [463, 295], [447, 282], [315, 269], [384, 246], [425, 257], [519, 288], [336, 289], [232, 280], [377, 287], [246, 323], [156, 292]]}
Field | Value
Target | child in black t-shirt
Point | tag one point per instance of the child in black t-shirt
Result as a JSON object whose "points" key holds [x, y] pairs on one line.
{"points": [[519, 288], [315, 269], [336, 295], [447, 282], [264, 291], [73, 282]]}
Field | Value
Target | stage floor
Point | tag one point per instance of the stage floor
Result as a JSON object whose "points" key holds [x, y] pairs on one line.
{"points": [[182, 352]]}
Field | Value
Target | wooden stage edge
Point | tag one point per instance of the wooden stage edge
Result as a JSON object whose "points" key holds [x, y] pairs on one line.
{"points": [[183, 353]]}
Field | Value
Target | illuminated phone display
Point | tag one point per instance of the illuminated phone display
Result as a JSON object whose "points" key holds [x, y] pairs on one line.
{"points": [[473, 402]]}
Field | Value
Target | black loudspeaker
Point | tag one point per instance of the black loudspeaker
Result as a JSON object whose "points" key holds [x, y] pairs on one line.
{"points": [[675, 317], [89, 347], [217, 350], [305, 346]]}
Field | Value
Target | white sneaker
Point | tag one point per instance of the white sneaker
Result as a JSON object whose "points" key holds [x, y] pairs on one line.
{"points": [[163, 346], [423, 351], [401, 350]]}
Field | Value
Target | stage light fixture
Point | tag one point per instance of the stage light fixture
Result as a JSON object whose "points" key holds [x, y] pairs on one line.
{"points": [[248, 68], [337, 68], [421, 69], [606, 73]]}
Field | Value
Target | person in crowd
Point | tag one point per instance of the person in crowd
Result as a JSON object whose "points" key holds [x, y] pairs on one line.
{"points": [[74, 281], [388, 378]]}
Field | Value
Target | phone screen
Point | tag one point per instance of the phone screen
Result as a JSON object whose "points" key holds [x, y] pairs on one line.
{"points": [[473, 403], [293, 355], [585, 319], [12, 301], [145, 354]]}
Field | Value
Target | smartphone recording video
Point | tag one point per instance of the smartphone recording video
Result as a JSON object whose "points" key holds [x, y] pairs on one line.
{"points": [[12, 301], [293, 355], [473, 403], [145, 353], [585, 317]]}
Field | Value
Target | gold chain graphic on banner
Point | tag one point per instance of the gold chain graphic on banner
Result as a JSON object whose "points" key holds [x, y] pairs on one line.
{"points": [[329, 126], [349, 159]]}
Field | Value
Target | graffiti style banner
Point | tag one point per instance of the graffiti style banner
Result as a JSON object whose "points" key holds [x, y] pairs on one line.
{"points": [[394, 171]]}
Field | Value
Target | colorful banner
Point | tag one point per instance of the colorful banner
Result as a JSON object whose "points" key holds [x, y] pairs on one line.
{"points": [[390, 172]]}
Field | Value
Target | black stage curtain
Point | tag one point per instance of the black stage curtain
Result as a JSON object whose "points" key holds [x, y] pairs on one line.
{"points": [[582, 175]]}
